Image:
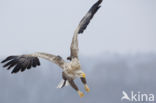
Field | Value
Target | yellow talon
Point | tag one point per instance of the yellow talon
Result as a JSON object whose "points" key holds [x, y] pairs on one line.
{"points": [[87, 88], [80, 93]]}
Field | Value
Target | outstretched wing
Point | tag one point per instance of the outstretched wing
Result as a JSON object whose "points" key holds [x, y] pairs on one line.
{"points": [[86, 19], [81, 27], [23, 62]]}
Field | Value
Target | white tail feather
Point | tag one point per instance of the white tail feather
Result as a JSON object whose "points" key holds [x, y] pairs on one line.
{"points": [[61, 84], [67, 83]]}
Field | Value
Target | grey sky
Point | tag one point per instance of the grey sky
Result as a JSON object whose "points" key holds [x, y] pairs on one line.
{"points": [[124, 26]]}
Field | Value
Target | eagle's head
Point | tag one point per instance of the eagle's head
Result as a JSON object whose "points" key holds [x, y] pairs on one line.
{"points": [[80, 73]]}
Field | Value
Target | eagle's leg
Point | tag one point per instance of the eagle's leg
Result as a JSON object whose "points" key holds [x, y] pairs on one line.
{"points": [[85, 84], [72, 83]]}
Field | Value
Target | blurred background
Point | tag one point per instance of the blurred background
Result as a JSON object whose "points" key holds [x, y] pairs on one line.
{"points": [[117, 51]]}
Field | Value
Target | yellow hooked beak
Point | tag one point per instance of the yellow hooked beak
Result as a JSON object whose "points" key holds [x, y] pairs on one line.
{"points": [[83, 75]]}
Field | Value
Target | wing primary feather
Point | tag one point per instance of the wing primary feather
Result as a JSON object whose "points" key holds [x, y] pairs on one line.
{"points": [[87, 18], [34, 62], [38, 62], [24, 65], [8, 58], [12, 64], [29, 64], [16, 69]]}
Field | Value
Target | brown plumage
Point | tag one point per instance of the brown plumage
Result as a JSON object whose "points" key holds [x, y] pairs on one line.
{"points": [[71, 70]]}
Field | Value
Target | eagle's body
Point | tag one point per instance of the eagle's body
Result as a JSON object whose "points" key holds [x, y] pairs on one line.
{"points": [[70, 70], [72, 67]]}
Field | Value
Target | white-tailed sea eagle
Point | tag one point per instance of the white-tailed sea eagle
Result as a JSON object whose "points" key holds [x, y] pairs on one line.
{"points": [[71, 70]]}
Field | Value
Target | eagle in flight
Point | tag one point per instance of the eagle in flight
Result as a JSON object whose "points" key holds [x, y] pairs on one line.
{"points": [[70, 70]]}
